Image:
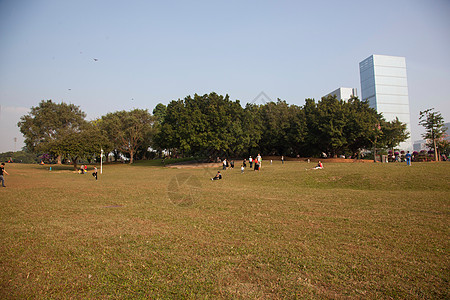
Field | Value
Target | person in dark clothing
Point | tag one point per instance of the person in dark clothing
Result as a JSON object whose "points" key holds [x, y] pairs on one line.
{"points": [[217, 177], [2, 172], [95, 173]]}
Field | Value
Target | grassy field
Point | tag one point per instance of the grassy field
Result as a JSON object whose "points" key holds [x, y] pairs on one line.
{"points": [[349, 231]]}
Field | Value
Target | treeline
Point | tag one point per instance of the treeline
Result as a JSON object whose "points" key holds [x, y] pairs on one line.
{"points": [[214, 125], [210, 125], [19, 157], [60, 131]]}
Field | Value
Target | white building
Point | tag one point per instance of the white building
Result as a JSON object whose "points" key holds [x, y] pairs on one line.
{"points": [[384, 84], [343, 93], [420, 145]]}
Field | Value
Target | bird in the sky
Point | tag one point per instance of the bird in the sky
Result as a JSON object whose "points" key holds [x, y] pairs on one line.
{"points": [[95, 59]]}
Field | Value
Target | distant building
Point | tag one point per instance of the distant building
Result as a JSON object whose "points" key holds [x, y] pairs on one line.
{"points": [[384, 85], [343, 93], [420, 145], [447, 132]]}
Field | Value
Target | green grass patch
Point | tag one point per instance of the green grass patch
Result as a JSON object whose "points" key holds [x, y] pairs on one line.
{"points": [[356, 230]]}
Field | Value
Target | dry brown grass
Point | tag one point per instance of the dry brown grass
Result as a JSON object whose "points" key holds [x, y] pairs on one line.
{"points": [[348, 231]]}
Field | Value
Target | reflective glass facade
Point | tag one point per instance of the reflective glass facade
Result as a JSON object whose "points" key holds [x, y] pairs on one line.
{"points": [[384, 84]]}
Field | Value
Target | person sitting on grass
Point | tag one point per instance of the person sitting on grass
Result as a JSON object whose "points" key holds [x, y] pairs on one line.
{"points": [[217, 177], [319, 166]]}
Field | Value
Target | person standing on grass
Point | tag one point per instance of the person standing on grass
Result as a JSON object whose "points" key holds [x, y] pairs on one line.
{"points": [[2, 172], [242, 169], [408, 158], [224, 164], [250, 161], [95, 173], [256, 164], [282, 160]]}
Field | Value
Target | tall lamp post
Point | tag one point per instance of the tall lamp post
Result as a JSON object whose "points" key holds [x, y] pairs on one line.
{"points": [[101, 162]]}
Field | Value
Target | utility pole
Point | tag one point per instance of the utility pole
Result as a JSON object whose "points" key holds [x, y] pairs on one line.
{"points": [[101, 162]]}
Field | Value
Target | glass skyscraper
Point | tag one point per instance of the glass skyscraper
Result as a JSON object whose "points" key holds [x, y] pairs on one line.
{"points": [[384, 84]]}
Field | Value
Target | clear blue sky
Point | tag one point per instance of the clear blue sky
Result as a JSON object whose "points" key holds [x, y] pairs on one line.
{"points": [[157, 51]]}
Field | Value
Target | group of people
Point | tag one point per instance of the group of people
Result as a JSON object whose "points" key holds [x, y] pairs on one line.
{"points": [[254, 163], [83, 170], [228, 164]]}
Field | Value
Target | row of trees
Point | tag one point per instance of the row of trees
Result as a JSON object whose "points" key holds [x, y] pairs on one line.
{"points": [[211, 125], [61, 130]]}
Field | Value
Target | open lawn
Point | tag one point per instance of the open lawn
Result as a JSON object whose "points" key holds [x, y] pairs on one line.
{"points": [[349, 231]]}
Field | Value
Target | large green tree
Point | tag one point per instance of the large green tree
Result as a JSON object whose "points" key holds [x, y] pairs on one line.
{"points": [[338, 127], [253, 128], [128, 130], [48, 124], [159, 112], [284, 128], [326, 122], [210, 124], [393, 133], [360, 130], [86, 143], [433, 122]]}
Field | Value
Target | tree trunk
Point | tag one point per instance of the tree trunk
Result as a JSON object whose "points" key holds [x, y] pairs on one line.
{"points": [[59, 159], [375, 150], [131, 156], [436, 156], [74, 162]]}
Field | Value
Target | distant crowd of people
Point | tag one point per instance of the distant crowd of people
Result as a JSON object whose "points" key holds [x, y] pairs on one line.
{"points": [[254, 163]]}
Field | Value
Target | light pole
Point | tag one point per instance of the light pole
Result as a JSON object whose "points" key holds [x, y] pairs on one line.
{"points": [[101, 162]]}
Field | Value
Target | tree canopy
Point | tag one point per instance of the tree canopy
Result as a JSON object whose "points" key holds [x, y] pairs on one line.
{"points": [[213, 125], [60, 129], [49, 123], [128, 130], [433, 122]]}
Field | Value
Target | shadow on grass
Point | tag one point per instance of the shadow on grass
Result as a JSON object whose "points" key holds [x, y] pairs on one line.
{"points": [[162, 163], [54, 167], [65, 167]]}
